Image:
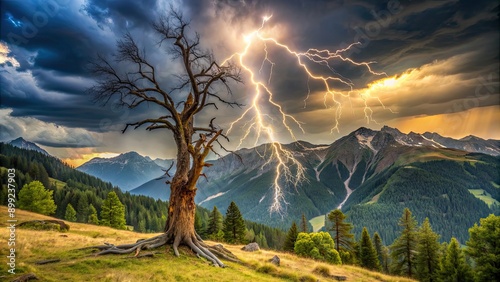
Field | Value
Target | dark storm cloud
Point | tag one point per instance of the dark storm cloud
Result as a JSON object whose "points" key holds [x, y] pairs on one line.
{"points": [[123, 14], [54, 40], [398, 35]]}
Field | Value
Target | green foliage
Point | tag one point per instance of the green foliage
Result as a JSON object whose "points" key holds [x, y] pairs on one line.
{"points": [[219, 236], [261, 240], [70, 214], [484, 248], [454, 268], [214, 222], [82, 209], [42, 226], [318, 246], [73, 185], [404, 248], [113, 212], [198, 224], [427, 258], [291, 237], [304, 225], [382, 252], [341, 231], [438, 190], [234, 225], [92, 219], [367, 253], [34, 197]]}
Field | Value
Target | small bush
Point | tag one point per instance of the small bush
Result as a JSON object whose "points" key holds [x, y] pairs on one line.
{"points": [[267, 268], [41, 226], [322, 270], [290, 276], [308, 278]]}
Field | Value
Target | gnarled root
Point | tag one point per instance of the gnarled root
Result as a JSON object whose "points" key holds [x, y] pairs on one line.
{"points": [[201, 249]]}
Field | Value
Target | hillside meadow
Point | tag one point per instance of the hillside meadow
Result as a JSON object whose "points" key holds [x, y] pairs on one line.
{"points": [[80, 265]]}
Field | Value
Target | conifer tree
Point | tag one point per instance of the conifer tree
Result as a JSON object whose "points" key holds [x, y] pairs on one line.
{"points": [[403, 249], [291, 237], [367, 253], [234, 225], [198, 225], [92, 219], [428, 253], [82, 208], [341, 230], [113, 212], [379, 248], [261, 241], [214, 222], [34, 197], [385, 262], [304, 227], [70, 214], [484, 247], [454, 267]]}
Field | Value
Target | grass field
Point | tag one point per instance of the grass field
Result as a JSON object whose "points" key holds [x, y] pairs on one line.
{"points": [[484, 196], [80, 265]]}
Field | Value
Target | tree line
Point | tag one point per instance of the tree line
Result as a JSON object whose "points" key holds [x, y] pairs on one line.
{"points": [[80, 197], [415, 253]]}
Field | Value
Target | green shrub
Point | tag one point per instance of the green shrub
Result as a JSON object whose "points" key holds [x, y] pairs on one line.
{"points": [[267, 268], [318, 246]]}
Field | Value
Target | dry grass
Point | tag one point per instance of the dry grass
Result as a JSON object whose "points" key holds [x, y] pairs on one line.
{"points": [[79, 265]]}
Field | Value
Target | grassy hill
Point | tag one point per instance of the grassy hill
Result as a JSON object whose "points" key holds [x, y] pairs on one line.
{"points": [[80, 265]]}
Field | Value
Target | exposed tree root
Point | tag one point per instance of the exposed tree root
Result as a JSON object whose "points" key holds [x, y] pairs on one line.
{"points": [[210, 253]]}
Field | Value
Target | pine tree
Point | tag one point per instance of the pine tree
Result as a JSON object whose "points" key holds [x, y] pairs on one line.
{"points": [[92, 219], [404, 247], [291, 237], [367, 253], [113, 212], [427, 258], [214, 222], [304, 227], [484, 247], [341, 230], [198, 225], [70, 214], [234, 225], [379, 248], [82, 209], [454, 267], [385, 259]]}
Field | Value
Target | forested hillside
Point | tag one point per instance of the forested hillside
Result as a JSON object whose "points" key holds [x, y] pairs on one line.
{"points": [[69, 186]]}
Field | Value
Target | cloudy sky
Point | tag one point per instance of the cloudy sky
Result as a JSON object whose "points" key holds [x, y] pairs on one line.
{"points": [[437, 65]]}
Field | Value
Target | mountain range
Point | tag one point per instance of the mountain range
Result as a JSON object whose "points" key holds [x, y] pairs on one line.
{"points": [[126, 171], [27, 145], [371, 175]]}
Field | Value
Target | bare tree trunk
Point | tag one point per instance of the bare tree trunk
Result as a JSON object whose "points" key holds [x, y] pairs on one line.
{"points": [[201, 74]]}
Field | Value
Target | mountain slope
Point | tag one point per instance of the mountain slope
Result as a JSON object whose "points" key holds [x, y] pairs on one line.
{"points": [[365, 172], [126, 171], [23, 144]]}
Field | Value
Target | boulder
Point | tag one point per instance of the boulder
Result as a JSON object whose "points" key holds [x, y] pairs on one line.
{"points": [[252, 247], [275, 260]]}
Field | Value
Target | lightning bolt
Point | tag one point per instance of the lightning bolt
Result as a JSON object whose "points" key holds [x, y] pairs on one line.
{"points": [[288, 170]]}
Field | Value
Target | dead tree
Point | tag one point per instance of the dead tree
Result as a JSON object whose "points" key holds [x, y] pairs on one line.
{"points": [[199, 85]]}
